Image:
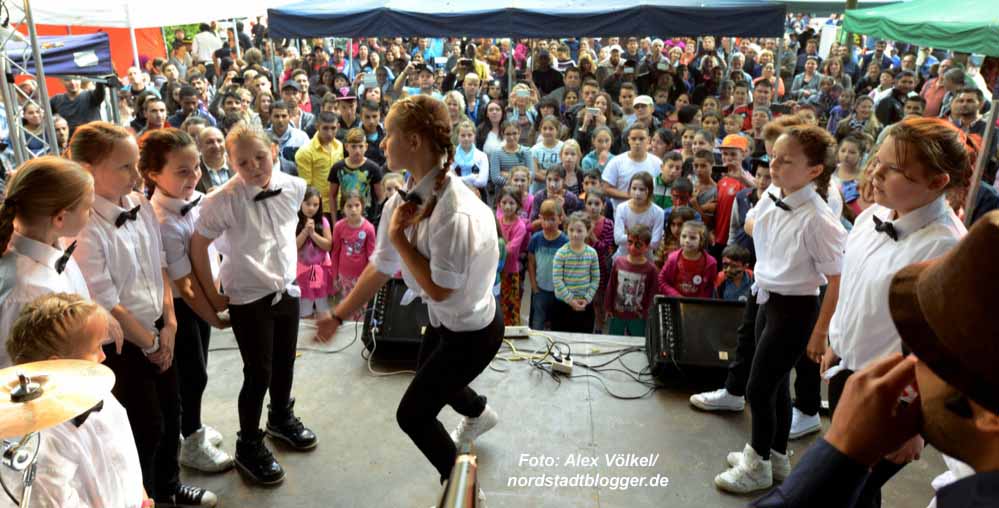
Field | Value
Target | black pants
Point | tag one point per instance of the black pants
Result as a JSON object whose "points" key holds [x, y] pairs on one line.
{"points": [[447, 363], [267, 336], [807, 389], [151, 401], [884, 470], [191, 354], [783, 326], [567, 319]]}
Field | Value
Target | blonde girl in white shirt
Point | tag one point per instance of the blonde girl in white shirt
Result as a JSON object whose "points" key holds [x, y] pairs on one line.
{"points": [[444, 240], [48, 199]]}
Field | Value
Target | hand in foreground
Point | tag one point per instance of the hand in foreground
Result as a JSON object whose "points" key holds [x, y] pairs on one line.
{"points": [[325, 328], [116, 334], [869, 422], [402, 217], [817, 346]]}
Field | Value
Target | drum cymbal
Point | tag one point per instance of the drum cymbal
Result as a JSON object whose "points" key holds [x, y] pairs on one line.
{"points": [[67, 389]]}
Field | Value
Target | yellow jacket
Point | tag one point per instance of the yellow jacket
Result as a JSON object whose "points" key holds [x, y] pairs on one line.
{"points": [[314, 162]]}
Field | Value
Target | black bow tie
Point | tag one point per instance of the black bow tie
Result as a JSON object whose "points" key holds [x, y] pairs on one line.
{"points": [[266, 194], [127, 216], [184, 210], [83, 416], [60, 264], [883, 226], [779, 202]]}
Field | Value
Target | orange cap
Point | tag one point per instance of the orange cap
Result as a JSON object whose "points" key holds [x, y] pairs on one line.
{"points": [[735, 141]]}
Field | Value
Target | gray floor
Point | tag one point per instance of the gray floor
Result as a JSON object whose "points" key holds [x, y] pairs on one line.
{"points": [[364, 460]]}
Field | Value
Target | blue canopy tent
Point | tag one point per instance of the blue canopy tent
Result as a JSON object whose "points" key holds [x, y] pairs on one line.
{"points": [[525, 18], [65, 55]]}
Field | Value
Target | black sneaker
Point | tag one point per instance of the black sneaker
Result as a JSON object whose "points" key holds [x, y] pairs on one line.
{"points": [[290, 429], [190, 496], [254, 459]]}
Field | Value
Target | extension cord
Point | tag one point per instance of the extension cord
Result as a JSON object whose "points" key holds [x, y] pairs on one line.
{"points": [[516, 332], [562, 366]]}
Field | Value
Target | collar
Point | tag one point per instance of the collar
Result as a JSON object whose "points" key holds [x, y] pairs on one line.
{"points": [[798, 197], [317, 145], [915, 220], [223, 167], [110, 211], [82, 417], [42, 254], [172, 204], [252, 190]]}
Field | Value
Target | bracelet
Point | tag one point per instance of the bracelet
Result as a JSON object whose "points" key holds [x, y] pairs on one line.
{"points": [[338, 318]]}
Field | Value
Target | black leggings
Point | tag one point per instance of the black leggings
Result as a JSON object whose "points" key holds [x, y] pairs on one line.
{"points": [[447, 363], [567, 319], [150, 399], [191, 353], [267, 336], [806, 381], [783, 326]]}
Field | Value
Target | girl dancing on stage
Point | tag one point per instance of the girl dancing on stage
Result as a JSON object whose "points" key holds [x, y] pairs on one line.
{"points": [[444, 240]]}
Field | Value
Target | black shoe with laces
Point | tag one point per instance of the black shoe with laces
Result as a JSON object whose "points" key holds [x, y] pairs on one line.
{"points": [[254, 459], [289, 428], [189, 496]]}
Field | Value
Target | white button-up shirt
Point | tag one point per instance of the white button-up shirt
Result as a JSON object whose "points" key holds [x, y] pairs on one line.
{"points": [[95, 464], [861, 330], [795, 249], [124, 265], [258, 247], [27, 271], [459, 238], [176, 231]]}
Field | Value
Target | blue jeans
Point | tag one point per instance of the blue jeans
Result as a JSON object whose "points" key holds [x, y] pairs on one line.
{"points": [[542, 303]]}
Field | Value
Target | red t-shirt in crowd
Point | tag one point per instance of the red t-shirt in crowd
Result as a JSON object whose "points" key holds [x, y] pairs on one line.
{"points": [[690, 275], [728, 187]]}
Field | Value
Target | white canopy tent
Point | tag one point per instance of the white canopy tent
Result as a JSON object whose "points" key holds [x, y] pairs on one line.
{"points": [[132, 14]]}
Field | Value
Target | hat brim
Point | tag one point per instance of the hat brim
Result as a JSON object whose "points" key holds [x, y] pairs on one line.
{"points": [[918, 335]]}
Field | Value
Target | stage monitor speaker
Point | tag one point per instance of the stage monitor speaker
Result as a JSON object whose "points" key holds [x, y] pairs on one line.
{"points": [[392, 330], [691, 332]]}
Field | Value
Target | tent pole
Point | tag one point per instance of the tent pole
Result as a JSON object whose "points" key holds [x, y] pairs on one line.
{"points": [[131, 35], [509, 67], [10, 103], [235, 34], [43, 89], [976, 176]]}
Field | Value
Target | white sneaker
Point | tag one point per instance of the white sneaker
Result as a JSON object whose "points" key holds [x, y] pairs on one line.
{"points": [[468, 429], [751, 474], [198, 453], [718, 400], [214, 436], [780, 463], [803, 425]]}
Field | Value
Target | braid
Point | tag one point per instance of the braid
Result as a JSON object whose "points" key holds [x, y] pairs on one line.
{"points": [[8, 210]]}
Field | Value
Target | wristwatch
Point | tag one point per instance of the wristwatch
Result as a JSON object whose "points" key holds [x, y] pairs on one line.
{"points": [[156, 344], [338, 318]]}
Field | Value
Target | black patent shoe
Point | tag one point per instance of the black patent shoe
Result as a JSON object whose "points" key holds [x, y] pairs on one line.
{"points": [[256, 461]]}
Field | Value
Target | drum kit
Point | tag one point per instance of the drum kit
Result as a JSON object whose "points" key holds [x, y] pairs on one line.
{"points": [[37, 396]]}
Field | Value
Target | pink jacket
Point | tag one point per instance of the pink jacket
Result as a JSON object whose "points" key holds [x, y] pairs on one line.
{"points": [[671, 285]]}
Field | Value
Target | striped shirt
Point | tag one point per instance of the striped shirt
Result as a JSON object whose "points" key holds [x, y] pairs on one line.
{"points": [[502, 161], [576, 274]]}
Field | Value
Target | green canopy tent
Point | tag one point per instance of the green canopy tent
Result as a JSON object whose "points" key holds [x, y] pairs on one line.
{"points": [[827, 7], [969, 26]]}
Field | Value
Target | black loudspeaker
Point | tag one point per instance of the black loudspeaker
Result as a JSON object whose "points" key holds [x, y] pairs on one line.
{"points": [[691, 332], [392, 331]]}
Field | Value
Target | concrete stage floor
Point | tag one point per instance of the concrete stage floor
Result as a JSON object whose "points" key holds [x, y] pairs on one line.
{"points": [[364, 460]]}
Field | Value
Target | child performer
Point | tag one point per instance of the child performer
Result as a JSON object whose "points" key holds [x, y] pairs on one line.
{"points": [[48, 198], [919, 160], [632, 285], [576, 276], [799, 245], [690, 271], [90, 460], [353, 244], [169, 163], [120, 253], [256, 213]]}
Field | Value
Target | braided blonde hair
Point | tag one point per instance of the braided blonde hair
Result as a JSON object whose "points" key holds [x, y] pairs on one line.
{"points": [[428, 117]]}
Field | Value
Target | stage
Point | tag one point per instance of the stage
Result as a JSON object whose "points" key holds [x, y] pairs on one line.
{"points": [[548, 432]]}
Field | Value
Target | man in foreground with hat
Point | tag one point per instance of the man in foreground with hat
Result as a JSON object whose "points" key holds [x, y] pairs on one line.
{"points": [[939, 310]]}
